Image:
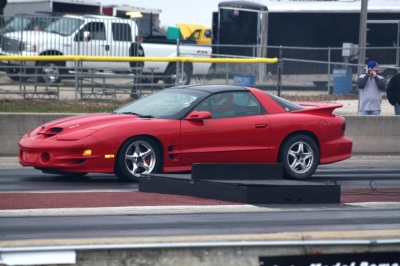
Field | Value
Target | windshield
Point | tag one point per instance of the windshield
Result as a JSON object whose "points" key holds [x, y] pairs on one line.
{"points": [[168, 104], [65, 26], [17, 23]]}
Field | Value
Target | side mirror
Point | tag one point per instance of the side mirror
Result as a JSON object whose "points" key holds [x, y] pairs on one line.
{"points": [[199, 115], [86, 36]]}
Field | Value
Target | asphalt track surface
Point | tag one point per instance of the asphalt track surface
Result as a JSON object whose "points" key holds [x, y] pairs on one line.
{"points": [[36, 206]]}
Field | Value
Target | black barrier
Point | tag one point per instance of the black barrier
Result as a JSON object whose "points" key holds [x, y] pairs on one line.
{"points": [[352, 259]]}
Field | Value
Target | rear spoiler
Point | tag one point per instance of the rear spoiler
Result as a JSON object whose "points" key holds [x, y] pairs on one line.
{"points": [[326, 108]]}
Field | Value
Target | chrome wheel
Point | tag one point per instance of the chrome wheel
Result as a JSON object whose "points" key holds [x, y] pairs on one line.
{"points": [[140, 158], [300, 157]]}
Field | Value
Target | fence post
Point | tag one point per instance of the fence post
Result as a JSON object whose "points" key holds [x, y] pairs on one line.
{"points": [[227, 74], [280, 63], [177, 72], [329, 92], [76, 82]]}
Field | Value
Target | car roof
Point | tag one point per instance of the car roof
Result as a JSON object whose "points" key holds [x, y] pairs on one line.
{"points": [[212, 88]]}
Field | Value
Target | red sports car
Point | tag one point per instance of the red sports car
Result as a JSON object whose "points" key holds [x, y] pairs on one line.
{"points": [[172, 129]]}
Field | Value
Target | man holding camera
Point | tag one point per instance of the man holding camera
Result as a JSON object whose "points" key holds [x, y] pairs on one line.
{"points": [[371, 86]]}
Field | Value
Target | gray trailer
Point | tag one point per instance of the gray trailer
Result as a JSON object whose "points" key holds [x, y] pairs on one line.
{"points": [[57, 6]]}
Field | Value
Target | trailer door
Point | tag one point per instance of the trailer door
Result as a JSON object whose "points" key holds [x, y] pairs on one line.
{"points": [[383, 33]]}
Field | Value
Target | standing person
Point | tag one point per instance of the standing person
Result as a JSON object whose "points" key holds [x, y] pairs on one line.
{"points": [[393, 93], [136, 49], [371, 86]]}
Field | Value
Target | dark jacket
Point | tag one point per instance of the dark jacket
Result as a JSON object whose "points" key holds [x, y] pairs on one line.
{"points": [[136, 50], [393, 90]]}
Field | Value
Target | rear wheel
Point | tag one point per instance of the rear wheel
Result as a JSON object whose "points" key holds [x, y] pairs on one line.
{"points": [[136, 157], [300, 157], [171, 75]]}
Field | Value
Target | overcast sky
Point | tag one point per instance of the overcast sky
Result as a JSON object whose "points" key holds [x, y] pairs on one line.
{"points": [[176, 11]]}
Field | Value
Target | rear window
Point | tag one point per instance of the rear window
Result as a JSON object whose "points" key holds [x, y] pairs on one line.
{"points": [[287, 105], [121, 32]]}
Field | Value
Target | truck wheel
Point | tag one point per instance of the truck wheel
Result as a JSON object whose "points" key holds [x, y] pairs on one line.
{"points": [[170, 74], [48, 72], [13, 74]]}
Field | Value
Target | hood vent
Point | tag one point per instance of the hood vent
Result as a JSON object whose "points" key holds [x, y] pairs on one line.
{"points": [[56, 129]]}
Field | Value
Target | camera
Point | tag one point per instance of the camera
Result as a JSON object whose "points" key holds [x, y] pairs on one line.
{"points": [[369, 71]]}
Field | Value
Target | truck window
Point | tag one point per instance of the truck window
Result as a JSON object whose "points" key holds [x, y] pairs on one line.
{"points": [[121, 32], [65, 26], [195, 35], [96, 29], [207, 34], [17, 23]]}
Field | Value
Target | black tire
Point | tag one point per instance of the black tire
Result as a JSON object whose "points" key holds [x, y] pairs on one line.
{"points": [[13, 74], [388, 74], [48, 72], [300, 157], [129, 165], [170, 74]]}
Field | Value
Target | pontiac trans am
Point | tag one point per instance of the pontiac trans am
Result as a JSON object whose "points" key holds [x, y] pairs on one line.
{"points": [[169, 131]]}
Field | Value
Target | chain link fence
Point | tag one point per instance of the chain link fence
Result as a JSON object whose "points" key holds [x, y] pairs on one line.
{"points": [[320, 74]]}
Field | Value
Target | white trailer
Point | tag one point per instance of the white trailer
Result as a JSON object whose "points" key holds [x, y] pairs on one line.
{"points": [[58, 6]]}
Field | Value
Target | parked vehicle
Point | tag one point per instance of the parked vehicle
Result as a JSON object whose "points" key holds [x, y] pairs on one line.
{"points": [[173, 129], [95, 35], [307, 24], [195, 32]]}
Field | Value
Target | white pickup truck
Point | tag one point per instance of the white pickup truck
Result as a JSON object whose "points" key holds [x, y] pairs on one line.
{"points": [[94, 35]]}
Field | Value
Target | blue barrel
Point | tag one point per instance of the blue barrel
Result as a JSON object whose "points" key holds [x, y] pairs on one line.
{"points": [[342, 81]]}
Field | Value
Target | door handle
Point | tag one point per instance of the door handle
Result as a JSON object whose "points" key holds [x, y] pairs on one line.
{"points": [[261, 125], [106, 46]]}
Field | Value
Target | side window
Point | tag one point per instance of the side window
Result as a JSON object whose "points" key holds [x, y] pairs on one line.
{"points": [[121, 32], [97, 30], [195, 35], [230, 104], [207, 34]]}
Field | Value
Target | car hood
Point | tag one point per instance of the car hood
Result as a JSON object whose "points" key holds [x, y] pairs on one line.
{"points": [[92, 122]]}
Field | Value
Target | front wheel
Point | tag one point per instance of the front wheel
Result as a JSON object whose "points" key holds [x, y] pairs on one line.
{"points": [[14, 74], [48, 72], [136, 157], [300, 157]]}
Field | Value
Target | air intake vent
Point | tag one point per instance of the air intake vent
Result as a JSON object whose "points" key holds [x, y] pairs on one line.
{"points": [[56, 129]]}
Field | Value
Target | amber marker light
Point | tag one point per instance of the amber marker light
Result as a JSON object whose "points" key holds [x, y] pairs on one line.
{"points": [[109, 156], [87, 152]]}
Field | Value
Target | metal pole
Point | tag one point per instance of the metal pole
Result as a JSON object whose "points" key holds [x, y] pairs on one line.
{"points": [[362, 43], [76, 82], [177, 72], [329, 71], [280, 71]]}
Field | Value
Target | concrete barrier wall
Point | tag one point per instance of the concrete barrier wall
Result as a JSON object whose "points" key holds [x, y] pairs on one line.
{"points": [[370, 134]]}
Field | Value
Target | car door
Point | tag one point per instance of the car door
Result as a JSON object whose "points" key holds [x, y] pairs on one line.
{"points": [[121, 39], [238, 132]]}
